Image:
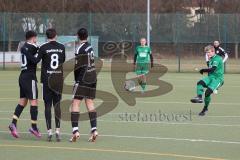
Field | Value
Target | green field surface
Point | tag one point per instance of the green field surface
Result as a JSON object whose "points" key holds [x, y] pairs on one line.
{"points": [[213, 137]]}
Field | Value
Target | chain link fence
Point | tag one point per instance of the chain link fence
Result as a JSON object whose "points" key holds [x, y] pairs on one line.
{"points": [[177, 40]]}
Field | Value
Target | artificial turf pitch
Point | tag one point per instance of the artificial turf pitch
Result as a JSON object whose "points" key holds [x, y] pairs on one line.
{"points": [[213, 137]]}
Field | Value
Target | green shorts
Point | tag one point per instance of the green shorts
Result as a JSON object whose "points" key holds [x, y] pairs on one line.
{"points": [[213, 83], [142, 68]]}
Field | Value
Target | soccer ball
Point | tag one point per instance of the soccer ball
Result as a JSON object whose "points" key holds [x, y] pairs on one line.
{"points": [[129, 86]]}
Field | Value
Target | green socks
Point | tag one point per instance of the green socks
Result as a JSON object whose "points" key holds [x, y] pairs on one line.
{"points": [[200, 90], [207, 100], [143, 85]]}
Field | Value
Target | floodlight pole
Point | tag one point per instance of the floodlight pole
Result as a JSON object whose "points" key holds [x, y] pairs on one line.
{"points": [[148, 22]]}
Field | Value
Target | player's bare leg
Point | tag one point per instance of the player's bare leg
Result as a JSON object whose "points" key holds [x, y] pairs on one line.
{"points": [[74, 119], [93, 119], [18, 110]]}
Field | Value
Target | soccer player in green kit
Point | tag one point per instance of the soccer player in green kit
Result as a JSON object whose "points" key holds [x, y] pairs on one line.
{"points": [[212, 82], [142, 58]]}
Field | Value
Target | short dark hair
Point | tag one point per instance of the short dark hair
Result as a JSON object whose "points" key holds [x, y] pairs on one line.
{"points": [[82, 34], [51, 33], [30, 34]]}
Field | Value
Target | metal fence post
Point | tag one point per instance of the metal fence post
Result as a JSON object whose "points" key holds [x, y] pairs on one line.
{"points": [[176, 43], [4, 39], [225, 37]]}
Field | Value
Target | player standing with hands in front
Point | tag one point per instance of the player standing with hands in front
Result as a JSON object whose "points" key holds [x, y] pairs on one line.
{"points": [[142, 58], [85, 86], [52, 55]]}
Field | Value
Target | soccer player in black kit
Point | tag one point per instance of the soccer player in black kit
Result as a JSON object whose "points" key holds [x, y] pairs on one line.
{"points": [[52, 55], [85, 86], [28, 85]]}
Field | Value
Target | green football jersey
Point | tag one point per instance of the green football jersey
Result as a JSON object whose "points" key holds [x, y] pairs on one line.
{"points": [[218, 62], [143, 54]]}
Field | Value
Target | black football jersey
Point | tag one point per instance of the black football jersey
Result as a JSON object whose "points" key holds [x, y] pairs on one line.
{"points": [[28, 58], [53, 56], [220, 51], [85, 70]]}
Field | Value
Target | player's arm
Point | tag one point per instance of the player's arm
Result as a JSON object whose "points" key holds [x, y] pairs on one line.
{"points": [[40, 53], [64, 55], [207, 59], [135, 57], [224, 53], [225, 58], [209, 70], [80, 66], [151, 58], [30, 57], [76, 69]]}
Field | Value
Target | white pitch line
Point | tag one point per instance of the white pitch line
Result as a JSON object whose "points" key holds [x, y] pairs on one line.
{"points": [[153, 138], [142, 122], [171, 123], [144, 102], [120, 113], [224, 116]]}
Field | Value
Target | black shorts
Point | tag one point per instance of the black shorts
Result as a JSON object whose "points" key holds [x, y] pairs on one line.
{"points": [[28, 86], [82, 90], [52, 95]]}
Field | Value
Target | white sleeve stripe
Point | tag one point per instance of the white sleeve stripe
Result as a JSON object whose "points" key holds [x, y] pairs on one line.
{"points": [[79, 47], [225, 58], [88, 48], [221, 49], [206, 56]]}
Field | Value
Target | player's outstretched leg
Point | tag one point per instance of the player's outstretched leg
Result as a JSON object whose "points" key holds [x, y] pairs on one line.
{"points": [[200, 89], [18, 111], [74, 120], [34, 115], [207, 101]]}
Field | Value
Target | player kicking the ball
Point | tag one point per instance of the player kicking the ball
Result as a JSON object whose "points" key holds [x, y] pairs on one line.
{"points": [[221, 52], [142, 58], [85, 86], [213, 81]]}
